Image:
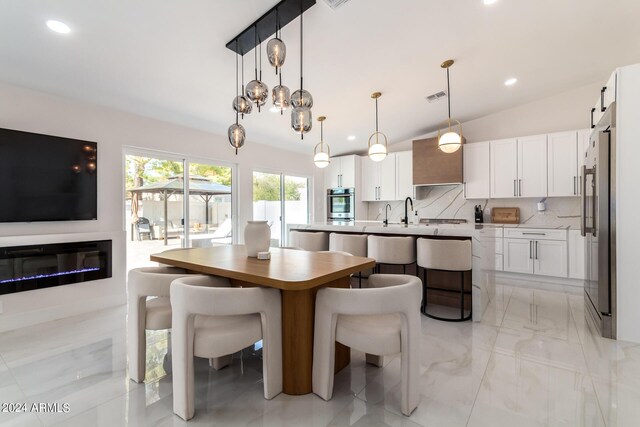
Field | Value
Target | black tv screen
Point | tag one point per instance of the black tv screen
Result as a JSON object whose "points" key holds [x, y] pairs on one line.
{"points": [[47, 178]]}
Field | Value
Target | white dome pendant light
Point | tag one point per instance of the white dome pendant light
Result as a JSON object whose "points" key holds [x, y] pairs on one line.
{"points": [[448, 140], [321, 157], [377, 151]]}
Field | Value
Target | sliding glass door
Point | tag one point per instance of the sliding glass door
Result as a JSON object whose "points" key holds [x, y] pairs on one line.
{"points": [[175, 202], [280, 200]]}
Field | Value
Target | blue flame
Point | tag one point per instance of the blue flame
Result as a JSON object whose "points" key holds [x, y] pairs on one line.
{"points": [[44, 276]]}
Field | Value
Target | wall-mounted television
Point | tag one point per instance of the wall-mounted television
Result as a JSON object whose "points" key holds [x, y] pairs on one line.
{"points": [[47, 178]]}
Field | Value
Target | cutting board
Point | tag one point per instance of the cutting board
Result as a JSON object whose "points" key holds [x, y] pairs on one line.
{"points": [[505, 215]]}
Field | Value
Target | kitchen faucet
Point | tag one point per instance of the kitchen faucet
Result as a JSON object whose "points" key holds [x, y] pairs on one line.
{"points": [[386, 218], [406, 214]]}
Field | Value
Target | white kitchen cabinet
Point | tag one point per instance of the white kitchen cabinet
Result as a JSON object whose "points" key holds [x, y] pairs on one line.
{"points": [[404, 175], [504, 168], [518, 255], [378, 180], [562, 164], [341, 172], [477, 176], [550, 257], [532, 166], [576, 255]]}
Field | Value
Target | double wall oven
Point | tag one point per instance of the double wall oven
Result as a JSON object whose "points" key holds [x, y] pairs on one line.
{"points": [[341, 204]]}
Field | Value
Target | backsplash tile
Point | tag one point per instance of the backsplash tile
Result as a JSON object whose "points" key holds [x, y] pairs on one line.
{"points": [[447, 201]]}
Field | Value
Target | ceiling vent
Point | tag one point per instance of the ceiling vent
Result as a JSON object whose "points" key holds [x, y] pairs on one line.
{"points": [[335, 4], [436, 96]]}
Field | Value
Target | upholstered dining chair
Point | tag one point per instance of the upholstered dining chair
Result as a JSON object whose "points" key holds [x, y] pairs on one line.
{"points": [[212, 322], [309, 240], [145, 313], [381, 320]]}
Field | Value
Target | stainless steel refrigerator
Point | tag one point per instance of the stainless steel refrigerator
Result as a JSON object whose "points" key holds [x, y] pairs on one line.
{"points": [[598, 224]]}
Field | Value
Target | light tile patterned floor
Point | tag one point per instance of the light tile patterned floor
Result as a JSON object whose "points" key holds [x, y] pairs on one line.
{"points": [[532, 361]]}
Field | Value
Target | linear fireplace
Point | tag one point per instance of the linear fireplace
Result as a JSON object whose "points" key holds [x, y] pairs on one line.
{"points": [[25, 268]]}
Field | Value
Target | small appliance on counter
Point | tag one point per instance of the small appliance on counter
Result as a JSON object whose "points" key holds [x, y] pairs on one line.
{"points": [[505, 215], [478, 214]]}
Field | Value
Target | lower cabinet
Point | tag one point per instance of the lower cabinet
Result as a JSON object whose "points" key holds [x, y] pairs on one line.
{"points": [[576, 255], [536, 256]]}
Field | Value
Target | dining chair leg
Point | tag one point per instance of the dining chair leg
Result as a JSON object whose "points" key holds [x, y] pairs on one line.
{"points": [[461, 295]]}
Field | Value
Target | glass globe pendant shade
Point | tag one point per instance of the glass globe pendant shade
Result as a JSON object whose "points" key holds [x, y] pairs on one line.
{"points": [[377, 151], [236, 134], [257, 92], [321, 159], [281, 97], [449, 142], [241, 105], [301, 120], [301, 98], [276, 52]]}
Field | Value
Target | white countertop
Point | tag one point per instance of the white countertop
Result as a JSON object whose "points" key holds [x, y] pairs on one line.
{"points": [[377, 227]]}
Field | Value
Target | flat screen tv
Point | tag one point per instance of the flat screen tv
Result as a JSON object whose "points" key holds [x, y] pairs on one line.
{"points": [[47, 178]]}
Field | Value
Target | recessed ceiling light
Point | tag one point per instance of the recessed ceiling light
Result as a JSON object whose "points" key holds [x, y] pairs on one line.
{"points": [[58, 27], [489, 2], [351, 137], [511, 81]]}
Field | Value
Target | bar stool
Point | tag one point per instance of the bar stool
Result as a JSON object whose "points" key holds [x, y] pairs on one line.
{"points": [[313, 241], [355, 244], [444, 255], [391, 251]]}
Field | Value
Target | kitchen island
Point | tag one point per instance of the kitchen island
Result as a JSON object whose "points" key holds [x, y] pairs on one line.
{"points": [[483, 243]]}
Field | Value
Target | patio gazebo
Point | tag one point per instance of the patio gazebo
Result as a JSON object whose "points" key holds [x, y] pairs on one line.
{"points": [[198, 186]]}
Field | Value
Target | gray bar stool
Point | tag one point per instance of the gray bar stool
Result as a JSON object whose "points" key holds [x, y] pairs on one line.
{"points": [[355, 244], [392, 251], [313, 241], [444, 255]]}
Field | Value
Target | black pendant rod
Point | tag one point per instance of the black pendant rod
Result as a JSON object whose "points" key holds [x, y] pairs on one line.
{"points": [[255, 55], [237, 93], [301, 48]]}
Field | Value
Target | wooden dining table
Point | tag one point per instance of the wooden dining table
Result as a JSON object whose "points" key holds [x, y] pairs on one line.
{"points": [[298, 274]]}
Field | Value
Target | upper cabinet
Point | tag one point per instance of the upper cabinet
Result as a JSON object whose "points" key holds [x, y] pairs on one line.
{"points": [[404, 175], [341, 172], [434, 167], [504, 168], [378, 179], [532, 166], [564, 180], [476, 170], [519, 167]]}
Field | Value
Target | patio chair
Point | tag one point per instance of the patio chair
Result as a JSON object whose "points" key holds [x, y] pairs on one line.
{"points": [[143, 226], [223, 232]]}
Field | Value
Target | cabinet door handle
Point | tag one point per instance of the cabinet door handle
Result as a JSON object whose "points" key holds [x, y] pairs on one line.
{"points": [[536, 247], [464, 189], [534, 234], [514, 187], [593, 110], [574, 186], [530, 249], [602, 107], [520, 187]]}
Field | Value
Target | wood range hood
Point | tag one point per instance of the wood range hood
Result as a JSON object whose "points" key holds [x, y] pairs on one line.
{"points": [[433, 167]]}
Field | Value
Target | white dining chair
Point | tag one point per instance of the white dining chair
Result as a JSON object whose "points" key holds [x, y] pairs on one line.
{"points": [[309, 240], [212, 322], [381, 320], [146, 313]]}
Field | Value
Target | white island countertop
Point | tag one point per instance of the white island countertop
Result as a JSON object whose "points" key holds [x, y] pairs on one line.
{"points": [[483, 246]]}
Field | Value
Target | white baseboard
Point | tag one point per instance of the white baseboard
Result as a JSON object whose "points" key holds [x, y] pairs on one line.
{"points": [[561, 284]]}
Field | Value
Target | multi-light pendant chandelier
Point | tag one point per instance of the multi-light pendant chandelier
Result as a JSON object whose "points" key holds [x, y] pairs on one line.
{"points": [[256, 92], [448, 140]]}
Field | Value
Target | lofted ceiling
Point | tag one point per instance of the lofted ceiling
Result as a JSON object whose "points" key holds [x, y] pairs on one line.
{"points": [[168, 60]]}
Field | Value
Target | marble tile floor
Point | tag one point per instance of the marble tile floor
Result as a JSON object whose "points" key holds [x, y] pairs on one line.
{"points": [[532, 361]]}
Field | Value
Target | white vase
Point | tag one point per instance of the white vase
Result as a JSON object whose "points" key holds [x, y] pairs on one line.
{"points": [[257, 236]]}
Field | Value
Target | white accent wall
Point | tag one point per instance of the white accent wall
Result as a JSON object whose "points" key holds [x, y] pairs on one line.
{"points": [[113, 130]]}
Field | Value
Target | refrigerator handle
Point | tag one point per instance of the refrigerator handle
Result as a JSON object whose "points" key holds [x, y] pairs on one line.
{"points": [[594, 200], [583, 200]]}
